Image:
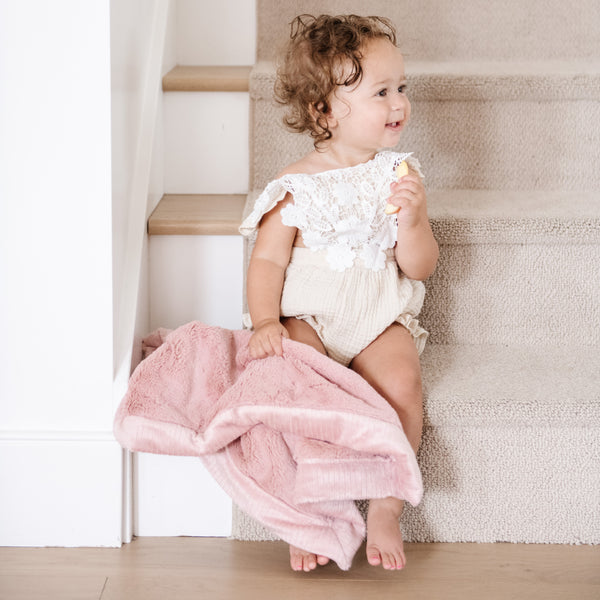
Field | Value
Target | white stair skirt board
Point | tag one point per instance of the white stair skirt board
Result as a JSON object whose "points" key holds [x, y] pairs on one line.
{"points": [[206, 142], [66, 488]]}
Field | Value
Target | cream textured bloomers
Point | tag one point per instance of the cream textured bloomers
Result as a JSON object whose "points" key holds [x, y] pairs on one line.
{"points": [[346, 283]]}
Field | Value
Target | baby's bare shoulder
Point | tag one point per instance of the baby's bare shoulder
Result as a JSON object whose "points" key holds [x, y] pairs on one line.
{"points": [[307, 165]]}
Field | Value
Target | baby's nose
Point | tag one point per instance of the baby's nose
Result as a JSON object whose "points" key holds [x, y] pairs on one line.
{"points": [[398, 102], [399, 107]]}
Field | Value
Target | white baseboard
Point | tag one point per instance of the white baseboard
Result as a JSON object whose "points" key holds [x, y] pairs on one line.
{"points": [[60, 489]]}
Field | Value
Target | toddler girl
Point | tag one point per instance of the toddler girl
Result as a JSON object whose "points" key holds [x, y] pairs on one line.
{"points": [[330, 268]]}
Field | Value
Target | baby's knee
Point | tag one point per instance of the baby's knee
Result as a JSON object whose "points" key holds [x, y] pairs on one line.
{"points": [[406, 389]]}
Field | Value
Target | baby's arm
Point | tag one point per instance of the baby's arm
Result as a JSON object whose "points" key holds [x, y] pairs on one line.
{"points": [[416, 249], [265, 277]]}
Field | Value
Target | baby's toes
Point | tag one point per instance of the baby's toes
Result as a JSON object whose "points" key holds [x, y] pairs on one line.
{"points": [[397, 560], [374, 556]]}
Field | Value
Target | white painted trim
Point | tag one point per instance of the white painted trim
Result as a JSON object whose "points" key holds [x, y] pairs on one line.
{"points": [[131, 273], [56, 436], [63, 488], [128, 499], [138, 204]]}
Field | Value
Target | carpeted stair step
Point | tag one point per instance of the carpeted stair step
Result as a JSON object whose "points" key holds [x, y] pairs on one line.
{"points": [[509, 446], [505, 122], [470, 125], [514, 267], [470, 29]]}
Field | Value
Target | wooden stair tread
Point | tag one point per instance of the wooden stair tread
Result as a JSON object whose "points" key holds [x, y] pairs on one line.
{"points": [[197, 214], [207, 79]]}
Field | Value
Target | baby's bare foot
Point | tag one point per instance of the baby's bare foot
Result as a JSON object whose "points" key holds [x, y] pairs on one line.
{"points": [[301, 560], [384, 538]]}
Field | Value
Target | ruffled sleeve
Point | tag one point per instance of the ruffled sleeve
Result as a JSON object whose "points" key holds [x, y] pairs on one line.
{"points": [[412, 162], [273, 194]]}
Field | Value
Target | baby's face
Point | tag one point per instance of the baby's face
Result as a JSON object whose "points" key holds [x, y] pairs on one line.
{"points": [[372, 114]]}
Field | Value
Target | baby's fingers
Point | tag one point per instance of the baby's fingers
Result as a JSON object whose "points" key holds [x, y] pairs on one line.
{"points": [[268, 343], [412, 184], [276, 346], [276, 340], [391, 207], [256, 348]]}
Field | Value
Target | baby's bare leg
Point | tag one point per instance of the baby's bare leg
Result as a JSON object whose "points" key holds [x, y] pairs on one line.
{"points": [[391, 365], [300, 331]]}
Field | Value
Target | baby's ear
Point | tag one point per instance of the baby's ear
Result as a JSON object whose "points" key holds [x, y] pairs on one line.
{"points": [[323, 115]]}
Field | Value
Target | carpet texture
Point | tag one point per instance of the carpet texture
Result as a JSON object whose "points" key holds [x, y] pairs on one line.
{"points": [[506, 123]]}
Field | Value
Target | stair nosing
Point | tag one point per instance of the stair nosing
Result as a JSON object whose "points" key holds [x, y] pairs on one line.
{"points": [[197, 214], [207, 78], [477, 81], [450, 370], [497, 216], [222, 214]]}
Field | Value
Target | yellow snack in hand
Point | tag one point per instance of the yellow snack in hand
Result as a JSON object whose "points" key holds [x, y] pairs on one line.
{"points": [[401, 171]]}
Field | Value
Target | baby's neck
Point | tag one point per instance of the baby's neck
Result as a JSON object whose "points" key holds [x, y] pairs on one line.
{"points": [[332, 157]]}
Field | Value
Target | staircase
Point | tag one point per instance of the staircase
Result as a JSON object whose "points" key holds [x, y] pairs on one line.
{"points": [[506, 123], [510, 149]]}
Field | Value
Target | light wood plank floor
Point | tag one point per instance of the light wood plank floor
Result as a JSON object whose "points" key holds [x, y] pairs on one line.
{"points": [[221, 569]]}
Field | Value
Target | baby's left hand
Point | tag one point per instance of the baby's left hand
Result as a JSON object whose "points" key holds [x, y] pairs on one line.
{"points": [[408, 194]]}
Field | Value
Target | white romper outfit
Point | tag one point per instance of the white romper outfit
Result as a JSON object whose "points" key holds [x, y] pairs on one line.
{"points": [[346, 283]]}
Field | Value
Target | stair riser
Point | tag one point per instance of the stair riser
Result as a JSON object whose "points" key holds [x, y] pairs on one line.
{"points": [[206, 154], [469, 145], [507, 294], [476, 489], [512, 483], [436, 30]]}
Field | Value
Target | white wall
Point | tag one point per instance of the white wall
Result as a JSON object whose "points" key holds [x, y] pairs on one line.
{"points": [[57, 457], [60, 468]]}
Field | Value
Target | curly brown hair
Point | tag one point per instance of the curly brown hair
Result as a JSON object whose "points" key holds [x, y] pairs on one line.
{"points": [[316, 62]]}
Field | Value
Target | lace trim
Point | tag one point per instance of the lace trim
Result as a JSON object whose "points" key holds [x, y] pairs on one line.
{"points": [[340, 211]]}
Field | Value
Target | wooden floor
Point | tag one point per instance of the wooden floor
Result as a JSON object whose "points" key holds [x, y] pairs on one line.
{"points": [[207, 568]]}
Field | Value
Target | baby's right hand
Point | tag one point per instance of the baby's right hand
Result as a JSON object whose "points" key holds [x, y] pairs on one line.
{"points": [[266, 339]]}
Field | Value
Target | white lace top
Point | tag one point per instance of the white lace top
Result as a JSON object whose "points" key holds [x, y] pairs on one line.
{"points": [[339, 211]]}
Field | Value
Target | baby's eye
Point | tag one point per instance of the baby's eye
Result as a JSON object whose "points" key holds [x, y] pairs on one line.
{"points": [[402, 89], [382, 92]]}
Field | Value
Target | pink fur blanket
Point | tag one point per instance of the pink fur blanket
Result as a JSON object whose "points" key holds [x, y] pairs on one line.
{"points": [[294, 440]]}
